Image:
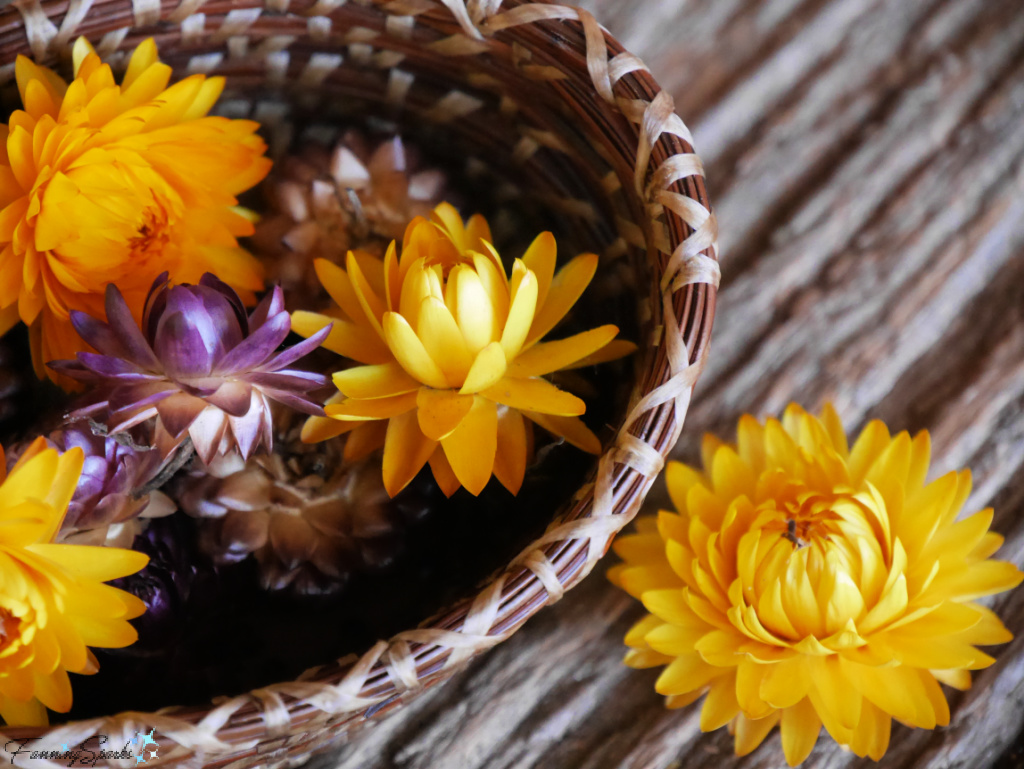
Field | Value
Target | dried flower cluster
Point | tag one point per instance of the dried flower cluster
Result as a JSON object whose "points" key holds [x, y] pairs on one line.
{"points": [[452, 353], [103, 183], [804, 583], [310, 518], [326, 202]]}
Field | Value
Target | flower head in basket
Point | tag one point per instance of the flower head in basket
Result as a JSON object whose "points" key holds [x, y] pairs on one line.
{"points": [[53, 602], [358, 195], [310, 519], [454, 362], [199, 364], [104, 183], [803, 583], [111, 493]]}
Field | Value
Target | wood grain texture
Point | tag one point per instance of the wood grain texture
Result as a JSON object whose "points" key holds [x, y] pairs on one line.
{"points": [[866, 161]]}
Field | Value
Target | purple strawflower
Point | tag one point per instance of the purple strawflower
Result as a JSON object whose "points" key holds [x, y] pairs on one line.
{"points": [[198, 364], [112, 489]]}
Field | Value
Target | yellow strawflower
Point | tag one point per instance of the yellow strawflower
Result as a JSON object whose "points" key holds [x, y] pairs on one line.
{"points": [[804, 584], [53, 603], [454, 359], [104, 183]]}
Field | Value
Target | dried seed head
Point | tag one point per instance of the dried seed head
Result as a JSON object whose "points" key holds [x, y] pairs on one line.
{"points": [[310, 519], [357, 195]]}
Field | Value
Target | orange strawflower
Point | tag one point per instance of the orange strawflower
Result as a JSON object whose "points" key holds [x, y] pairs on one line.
{"points": [[105, 183], [455, 365]]}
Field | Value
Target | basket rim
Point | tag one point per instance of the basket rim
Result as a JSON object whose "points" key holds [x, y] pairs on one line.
{"points": [[679, 233]]}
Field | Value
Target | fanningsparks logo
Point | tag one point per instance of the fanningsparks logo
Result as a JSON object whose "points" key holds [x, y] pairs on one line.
{"points": [[142, 748]]}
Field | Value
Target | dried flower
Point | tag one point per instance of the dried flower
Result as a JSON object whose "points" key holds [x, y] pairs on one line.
{"points": [[110, 495], [356, 196], [803, 583], [310, 518], [198, 363], [453, 353], [101, 183], [53, 604]]}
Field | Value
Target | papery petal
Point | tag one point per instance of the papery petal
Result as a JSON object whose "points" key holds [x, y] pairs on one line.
{"points": [[566, 288], [410, 352], [487, 370], [257, 347], [615, 349], [132, 344], [233, 397], [537, 395], [472, 446], [271, 306], [224, 308], [182, 344], [443, 341], [552, 356], [179, 410], [374, 408], [296, 352], [800, 729], [440, 412], [114, 368], [406, 450], [476, 313], [443, 473], [572, 429], [98, 334], [378, 381], [207, 432], [359, 343], [512, 450], [540, 259], [520, 313]]}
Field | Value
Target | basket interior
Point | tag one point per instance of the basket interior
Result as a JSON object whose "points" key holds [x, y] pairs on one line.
{"points": [[526, 144]]}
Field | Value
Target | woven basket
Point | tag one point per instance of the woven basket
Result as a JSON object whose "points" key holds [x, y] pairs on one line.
{"points": [[541, 85]]}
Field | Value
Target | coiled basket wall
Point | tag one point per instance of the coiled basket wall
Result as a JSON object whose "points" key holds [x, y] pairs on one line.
{"points": [[546, 90]]}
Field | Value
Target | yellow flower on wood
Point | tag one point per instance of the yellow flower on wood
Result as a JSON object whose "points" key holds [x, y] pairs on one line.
{"points": [[454, 361], [53, 603], [802, 584], [104, 183]]}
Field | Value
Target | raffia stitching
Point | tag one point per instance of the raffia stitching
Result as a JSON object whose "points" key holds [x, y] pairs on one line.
{"points": [[692, 261]]}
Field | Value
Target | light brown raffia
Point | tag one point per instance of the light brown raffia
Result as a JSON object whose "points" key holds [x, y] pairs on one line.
{"points": [[442, 60]]}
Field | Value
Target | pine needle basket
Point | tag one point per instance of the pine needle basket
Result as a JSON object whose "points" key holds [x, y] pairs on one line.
{"points": [[539, 83]]}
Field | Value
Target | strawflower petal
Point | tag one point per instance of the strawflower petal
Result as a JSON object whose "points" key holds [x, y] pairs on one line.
{"points": [[472, 446]]}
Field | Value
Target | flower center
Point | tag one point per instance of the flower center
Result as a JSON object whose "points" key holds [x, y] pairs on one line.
{"points": [[806, 517], [8, 626], [153, 233]]}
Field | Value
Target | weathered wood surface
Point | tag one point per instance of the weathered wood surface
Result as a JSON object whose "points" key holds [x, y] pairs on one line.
{"points": [[866, 160]]}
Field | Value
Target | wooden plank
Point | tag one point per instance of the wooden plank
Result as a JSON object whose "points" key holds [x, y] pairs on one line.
{"points": [[866, 160]]}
